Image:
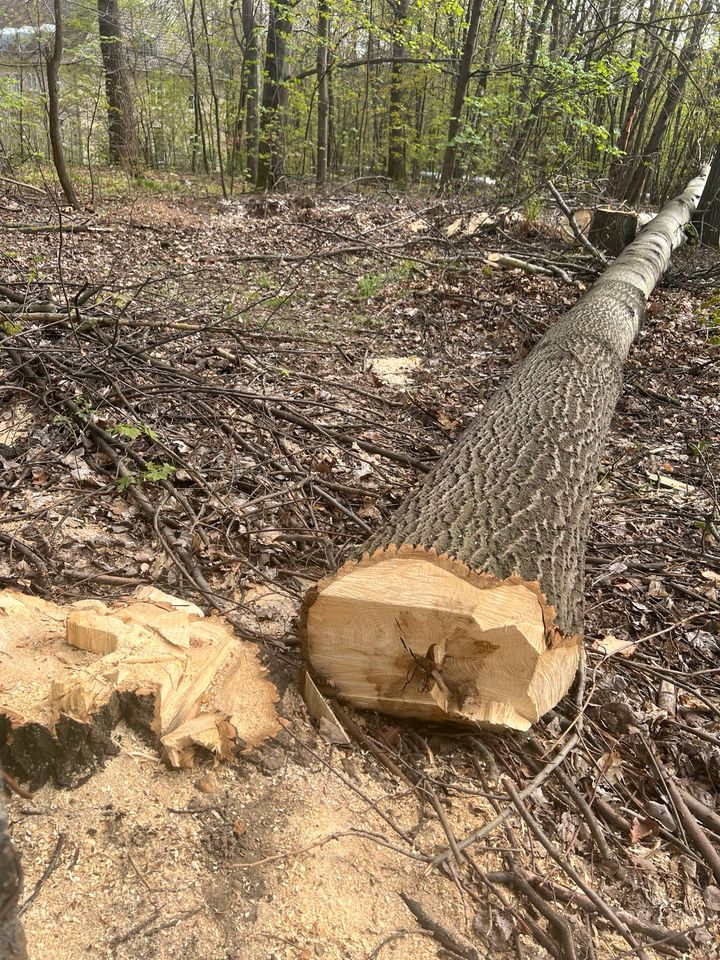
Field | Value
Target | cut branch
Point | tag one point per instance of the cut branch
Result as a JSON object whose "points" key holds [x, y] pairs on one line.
{"points": [[468, 605]]}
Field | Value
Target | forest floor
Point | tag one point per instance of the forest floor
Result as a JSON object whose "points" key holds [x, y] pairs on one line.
{"points": [[273, 378]]}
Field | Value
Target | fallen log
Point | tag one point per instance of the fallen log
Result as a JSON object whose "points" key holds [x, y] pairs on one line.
{"points": [[70, 674], [467, 605]]}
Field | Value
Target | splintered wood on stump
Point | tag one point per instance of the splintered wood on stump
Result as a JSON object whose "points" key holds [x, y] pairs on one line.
{"points": [[70, 674], [467, 605], [613, 230]]}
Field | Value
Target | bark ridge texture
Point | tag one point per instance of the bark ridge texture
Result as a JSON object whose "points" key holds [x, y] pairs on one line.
{"points": [[513, 496]]}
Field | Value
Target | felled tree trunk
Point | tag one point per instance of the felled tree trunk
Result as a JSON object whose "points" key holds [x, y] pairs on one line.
{"points": [[468, 604], [12, 938], [613, 230]]}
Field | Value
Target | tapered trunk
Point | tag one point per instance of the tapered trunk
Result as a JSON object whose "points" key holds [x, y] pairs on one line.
{"points": [[53, 59], [198, 140], [467, 606], [271, 154], [707, 216], [461, 87], [323, 91], [397, 134], [118, 89], [490, 48], [12, 938]]}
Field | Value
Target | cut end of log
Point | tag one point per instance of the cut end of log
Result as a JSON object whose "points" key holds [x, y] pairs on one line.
{"points": [[414, 634]]}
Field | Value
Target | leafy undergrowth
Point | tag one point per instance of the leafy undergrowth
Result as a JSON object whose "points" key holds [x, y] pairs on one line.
{"points": [[230, 397]]}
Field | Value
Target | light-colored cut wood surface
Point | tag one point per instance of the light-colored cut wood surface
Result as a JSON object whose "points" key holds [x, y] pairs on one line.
{"points": [[417, 636], [155, 657]]}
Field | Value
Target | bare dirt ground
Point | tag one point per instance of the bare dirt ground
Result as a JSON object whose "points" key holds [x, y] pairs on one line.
{"points": [[272, 379]]}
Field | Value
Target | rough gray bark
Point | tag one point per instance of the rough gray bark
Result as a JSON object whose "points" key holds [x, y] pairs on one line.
{"points": [[252, 87], [12, 938], [271, 153], [323, 92], [514, 494], [121, 124], [397, 132]]}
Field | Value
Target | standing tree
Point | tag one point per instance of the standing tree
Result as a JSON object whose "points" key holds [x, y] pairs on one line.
{"points": [[461, 85], [323, 91], [251, 87], [640, 167], [118, 89], [214, 92], [397, 135], [271, 152], [53, 59], [707, 216]]}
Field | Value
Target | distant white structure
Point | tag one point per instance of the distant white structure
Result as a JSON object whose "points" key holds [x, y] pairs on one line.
{"points": [[19, 40]]}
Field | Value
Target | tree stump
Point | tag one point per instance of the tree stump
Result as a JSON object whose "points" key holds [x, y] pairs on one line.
{"points": [[613, 230], [467, 605], [69, 674]]}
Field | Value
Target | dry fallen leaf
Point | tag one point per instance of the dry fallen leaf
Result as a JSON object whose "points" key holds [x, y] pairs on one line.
{"points": [[609, 767], [610, 645], [643, 827], [454, 227]]}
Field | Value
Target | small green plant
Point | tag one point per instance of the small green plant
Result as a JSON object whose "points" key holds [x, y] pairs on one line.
{"points": [[122, 483], [265, 281], [274, 302], [84, 408], [157, 472], [132, 431], [532, 208], [696, 448], [370, 285], [10, 327]]}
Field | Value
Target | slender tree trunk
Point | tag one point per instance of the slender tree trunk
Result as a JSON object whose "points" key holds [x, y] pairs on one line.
{"points": [[215, 98], [468, 604], [397, 152], [53, 59], [198, 136], [271, 154], [12, 938], [490, 48], [323, 91], [121, 123], [251, 66], [634, 185], [461, 86], [707, 216]]}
